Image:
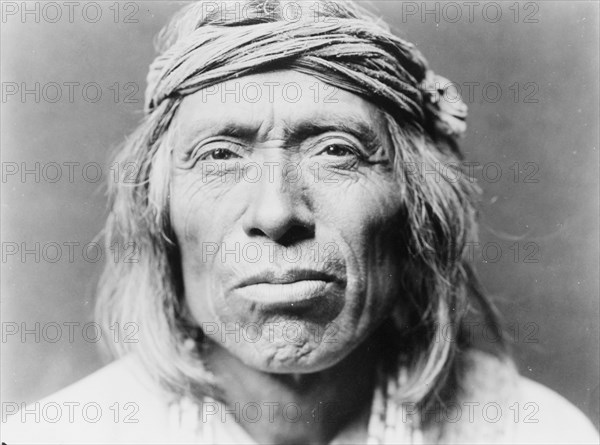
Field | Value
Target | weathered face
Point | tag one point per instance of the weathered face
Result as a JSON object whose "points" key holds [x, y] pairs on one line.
{"points": [[284, 206]]}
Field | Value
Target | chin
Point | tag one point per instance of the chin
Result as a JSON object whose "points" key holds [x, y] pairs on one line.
{"points": [[293, 359]]}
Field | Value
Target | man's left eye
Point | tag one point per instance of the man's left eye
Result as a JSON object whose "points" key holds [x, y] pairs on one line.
{"points": [[219, 154], [337, 150]]}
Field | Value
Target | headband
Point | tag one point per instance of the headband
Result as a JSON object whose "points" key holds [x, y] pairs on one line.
{"points": [[353, 54]]}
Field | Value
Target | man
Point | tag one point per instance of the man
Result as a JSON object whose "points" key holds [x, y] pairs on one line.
{"points": [[301, 279]]}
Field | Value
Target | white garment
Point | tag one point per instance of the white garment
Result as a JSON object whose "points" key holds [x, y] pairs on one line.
{"points": [[119, 404]]}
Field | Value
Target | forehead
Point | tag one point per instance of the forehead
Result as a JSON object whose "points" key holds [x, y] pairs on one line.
{"points": [[274, 103]]}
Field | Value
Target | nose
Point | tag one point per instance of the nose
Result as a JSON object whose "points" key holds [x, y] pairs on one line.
{"points": [[278, 210]]}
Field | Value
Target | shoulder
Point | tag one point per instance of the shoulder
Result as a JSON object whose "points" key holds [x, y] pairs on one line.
{"points": [[550, 419], [500, 406], [117, 404]]}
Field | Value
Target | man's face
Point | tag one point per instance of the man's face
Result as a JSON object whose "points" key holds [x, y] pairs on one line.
{"points": [[285, 210]]}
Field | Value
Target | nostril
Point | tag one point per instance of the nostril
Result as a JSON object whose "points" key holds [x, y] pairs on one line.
{"points": [[296, 234], [292, 234]]}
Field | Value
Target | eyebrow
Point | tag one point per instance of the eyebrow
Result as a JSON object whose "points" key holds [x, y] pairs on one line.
{"points": [[294, 133], [354, 126]]}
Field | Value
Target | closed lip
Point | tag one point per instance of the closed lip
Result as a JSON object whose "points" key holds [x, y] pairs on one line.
{"points": [[284, 277]]}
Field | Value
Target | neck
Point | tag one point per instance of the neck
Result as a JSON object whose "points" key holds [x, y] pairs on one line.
{"points": [[299, 408]]}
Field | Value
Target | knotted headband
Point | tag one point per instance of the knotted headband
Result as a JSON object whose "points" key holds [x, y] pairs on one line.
{"points": [[351, 53]]}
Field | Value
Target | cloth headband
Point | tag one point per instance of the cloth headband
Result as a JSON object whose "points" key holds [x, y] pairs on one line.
{"points": [[352, 54]]}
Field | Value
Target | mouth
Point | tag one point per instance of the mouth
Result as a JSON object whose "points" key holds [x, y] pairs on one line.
{"points": [[290, 288]]}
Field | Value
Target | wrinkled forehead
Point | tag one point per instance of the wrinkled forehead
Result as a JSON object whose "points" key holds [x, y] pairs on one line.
{"points": [[279, 105]]}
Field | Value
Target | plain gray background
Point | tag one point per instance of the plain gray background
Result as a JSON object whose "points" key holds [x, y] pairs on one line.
{"points": [[544, 218]]}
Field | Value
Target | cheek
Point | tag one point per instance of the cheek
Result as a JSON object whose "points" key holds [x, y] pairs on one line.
{"points": [[199, 211], [366, 221], [366, 214], [200, 219]]}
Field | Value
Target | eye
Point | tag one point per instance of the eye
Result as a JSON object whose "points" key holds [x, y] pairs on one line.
{"points": [[337, 150], [219, 154]]}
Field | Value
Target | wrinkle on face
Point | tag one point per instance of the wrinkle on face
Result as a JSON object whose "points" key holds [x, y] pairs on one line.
{"points": [[349, 198]]}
